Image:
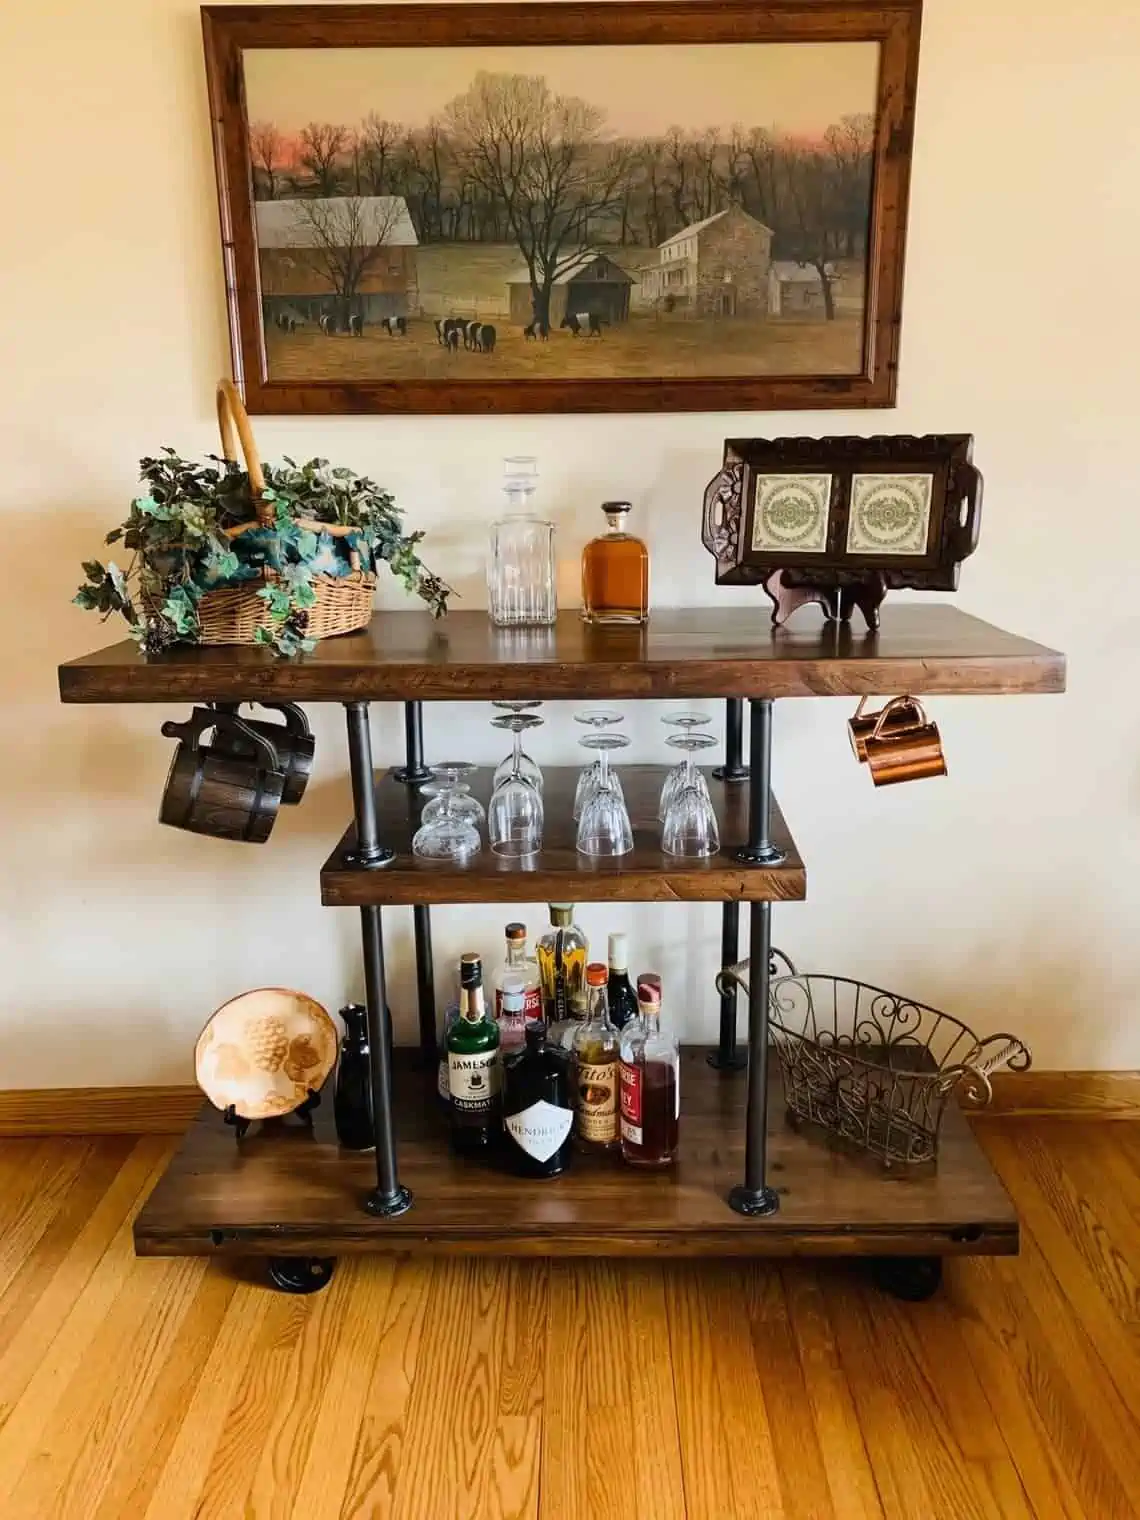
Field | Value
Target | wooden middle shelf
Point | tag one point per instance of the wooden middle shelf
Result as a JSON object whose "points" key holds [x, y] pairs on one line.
{"points": [[297, 1193], [559, 873]]}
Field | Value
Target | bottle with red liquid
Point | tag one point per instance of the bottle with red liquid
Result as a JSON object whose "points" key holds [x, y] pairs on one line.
{"points": [[650, 1085]]}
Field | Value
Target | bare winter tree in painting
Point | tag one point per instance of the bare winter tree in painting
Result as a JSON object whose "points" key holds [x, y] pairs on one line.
{"points": [[322, 147], [346, 236], [267, 149]]}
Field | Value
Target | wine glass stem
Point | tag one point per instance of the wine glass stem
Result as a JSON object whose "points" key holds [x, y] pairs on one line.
{"points": [[518, 752], [604, 770], [690, 770]]}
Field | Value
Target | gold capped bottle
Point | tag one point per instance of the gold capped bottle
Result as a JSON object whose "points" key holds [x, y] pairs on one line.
{"points": [[615, 572], [596, 1070]]}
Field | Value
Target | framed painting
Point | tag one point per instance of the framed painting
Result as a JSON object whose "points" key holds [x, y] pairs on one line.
{"points": [[661, 205]]}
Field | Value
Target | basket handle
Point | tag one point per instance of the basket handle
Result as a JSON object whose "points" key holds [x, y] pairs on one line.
{"points": [[234, 419], [979, 1066]]}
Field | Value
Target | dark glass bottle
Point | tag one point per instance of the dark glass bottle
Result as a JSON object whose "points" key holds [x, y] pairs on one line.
{"points": [[620, 994], [473, 1066], [537, 1112], [352, 1094]]}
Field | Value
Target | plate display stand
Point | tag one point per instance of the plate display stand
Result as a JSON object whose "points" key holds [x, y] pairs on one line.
{"points": [[745, 1183]]}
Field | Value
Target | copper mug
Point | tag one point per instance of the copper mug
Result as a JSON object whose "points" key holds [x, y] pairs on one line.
{"points": [[900, 713], [907, 754]]}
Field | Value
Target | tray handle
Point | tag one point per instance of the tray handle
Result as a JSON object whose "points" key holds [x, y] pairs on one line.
{"points": [[999, 1052]]}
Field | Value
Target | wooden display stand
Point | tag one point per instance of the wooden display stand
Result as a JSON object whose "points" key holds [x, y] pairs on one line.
{"points": [[741, 1187]]}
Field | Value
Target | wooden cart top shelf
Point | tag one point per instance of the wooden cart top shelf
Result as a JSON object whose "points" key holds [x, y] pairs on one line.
{"points": [[688, 652], [558, 873]]}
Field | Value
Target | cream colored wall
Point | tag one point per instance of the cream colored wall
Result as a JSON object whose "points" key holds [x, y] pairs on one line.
{"points": [[1008, 893]]}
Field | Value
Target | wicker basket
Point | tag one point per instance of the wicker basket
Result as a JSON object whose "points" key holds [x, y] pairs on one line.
{"points": [[873, 1069], [233, 614]]}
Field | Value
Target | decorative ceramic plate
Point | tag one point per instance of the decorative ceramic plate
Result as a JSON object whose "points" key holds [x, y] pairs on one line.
{"points": [[262, 1052]]}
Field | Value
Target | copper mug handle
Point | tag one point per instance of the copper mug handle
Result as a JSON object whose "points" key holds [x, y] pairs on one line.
{"points": [[859, 728], [912, 753]]}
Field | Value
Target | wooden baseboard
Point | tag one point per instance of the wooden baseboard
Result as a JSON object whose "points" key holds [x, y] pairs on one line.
{"points": [[1067, 1094], [98, 1110], [168, 1110]]}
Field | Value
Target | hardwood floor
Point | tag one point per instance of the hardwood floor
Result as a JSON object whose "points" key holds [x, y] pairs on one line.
{"points": [[571, 1390]]}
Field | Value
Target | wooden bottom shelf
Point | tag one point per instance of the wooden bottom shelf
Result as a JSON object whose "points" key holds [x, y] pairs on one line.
{"points": [[292, 1193]]}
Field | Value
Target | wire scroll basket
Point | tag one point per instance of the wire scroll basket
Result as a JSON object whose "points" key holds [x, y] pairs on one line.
{"points": [[873, 1069]]}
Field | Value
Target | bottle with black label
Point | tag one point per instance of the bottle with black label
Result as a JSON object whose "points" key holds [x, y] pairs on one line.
{"points": [[473, 1066], [537, 1113], [622, 998]]}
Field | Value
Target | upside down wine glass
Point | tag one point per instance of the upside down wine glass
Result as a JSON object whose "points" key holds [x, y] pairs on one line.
{"points": [[515, 816], [604, 828], [599, 719], [690, 826], [687, 722], [519, 760]]}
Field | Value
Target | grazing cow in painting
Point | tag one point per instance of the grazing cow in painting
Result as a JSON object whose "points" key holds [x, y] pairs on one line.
{"points": [[471, 334], [395, 327], [356, 325], [576, 321], [451, 340], [536, 329], [486, 339], [328, 325]]}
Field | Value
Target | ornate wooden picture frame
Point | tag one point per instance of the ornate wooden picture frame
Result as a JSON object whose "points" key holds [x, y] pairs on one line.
{"points": [[632, 205], [841, 521]]}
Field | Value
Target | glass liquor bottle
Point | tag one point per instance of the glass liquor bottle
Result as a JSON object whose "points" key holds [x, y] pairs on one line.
{"points": [[352, 1094], [537, 1112], [650, 1086], [451, 1013], [473, 1066], [520, 566], [517, 977], [622, 998], [561, 955], [596, 1068], [615, 572]]}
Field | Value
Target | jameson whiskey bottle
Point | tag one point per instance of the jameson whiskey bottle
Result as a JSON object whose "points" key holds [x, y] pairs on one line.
{"points": [[650, 1086], [596, 1070], [562, 969], [615, 572], [537, 1113], [622, 998], [473, 1066]]}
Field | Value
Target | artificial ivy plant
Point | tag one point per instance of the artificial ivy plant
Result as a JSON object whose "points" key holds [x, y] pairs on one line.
{"points": [[180, 535]]}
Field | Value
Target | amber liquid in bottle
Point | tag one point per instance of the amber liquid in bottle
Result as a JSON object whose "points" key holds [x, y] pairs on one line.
{"points": [[615, 572], [650, 1091]]}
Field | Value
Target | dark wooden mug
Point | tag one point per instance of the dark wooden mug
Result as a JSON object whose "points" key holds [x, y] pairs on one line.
{"points": [[292, 741], [908, 754], [210, 790], [898, 714]]}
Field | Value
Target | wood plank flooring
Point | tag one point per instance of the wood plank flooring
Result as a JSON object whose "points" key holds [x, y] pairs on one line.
{"points": [[481, 1389]]}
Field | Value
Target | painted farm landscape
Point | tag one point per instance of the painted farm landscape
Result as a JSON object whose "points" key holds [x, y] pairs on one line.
{"points": [[587, 213]]}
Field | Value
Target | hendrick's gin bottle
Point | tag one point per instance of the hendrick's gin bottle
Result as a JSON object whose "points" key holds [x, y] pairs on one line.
{"points": [[537, 1112], [473, 1066]]}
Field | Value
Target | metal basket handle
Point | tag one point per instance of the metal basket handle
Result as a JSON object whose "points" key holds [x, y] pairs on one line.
{"points": [[998, 1052], [729, 978]]}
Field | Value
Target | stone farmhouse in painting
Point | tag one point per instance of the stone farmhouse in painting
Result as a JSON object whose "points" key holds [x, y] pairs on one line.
{"points": [[311, 249], [714, 268], [590, 282]]}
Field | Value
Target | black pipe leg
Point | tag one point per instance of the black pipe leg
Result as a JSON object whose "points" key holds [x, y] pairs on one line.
{"points": [[413, 770], [754, 1196], [425, 982], [734, 768], [727, 1056], [389, 1198], [760, 850]]}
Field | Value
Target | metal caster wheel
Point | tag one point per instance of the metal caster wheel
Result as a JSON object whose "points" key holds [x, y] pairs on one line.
{"points": [[910, 1278], [301, 1274]]}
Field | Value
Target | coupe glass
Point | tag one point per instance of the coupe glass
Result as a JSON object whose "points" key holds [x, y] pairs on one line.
{"points": [[598, 718], [462, 803], [604, 828], [686, 722], [447, 836], [690, 826], [517, 763]]}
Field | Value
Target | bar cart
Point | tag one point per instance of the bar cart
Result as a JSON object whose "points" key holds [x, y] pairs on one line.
{"points": [[745, 1185]]}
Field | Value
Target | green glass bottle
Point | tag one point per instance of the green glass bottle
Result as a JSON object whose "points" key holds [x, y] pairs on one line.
{"points": [[473, 1066]]}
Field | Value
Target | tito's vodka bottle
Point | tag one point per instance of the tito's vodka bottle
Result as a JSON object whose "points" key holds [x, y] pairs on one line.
{"points": [[473, 1066], [596, 1070]]}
